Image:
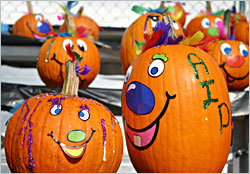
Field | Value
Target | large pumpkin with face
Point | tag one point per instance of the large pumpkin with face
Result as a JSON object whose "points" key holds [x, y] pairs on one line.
{"points": [[87, 24], [54, 133], [241, 32], [176, 111], [205, 23], [233, 58], [32, 26], [135, 32], [53, 56]]}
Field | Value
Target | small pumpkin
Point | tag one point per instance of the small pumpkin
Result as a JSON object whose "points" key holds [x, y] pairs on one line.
{"points": [[241, 32], [135, 32], [163, 120], [233, 58], [53, 56], [205, 23], [63, 133], [32, 26]]}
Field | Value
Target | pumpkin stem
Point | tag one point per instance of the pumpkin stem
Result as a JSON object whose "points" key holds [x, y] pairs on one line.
{"points": [[167, 19], [208, 6], [71, 82], [29, 5], [79, 13], [227, 16], [69, 24]]}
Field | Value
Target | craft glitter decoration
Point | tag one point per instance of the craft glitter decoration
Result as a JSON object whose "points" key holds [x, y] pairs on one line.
{"points": [[104, 138]]}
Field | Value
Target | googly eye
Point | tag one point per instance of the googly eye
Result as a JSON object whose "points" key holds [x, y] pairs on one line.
{"points": [[217, 20], [225, 48], [205, 23], [175, 25], [154, 20], [81, 45], [84, 115], [243, 50], [56, 109], [38, 17], [156, 68], [66, 42], [128, 73]]}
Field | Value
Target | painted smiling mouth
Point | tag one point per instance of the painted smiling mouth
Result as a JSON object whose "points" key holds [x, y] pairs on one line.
{"points": [[143, 138], [73, 151], [231, 78]]}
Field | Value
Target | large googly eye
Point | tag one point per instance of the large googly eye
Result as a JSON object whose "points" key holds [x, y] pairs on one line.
{"points": [[156, 68], [128, 74], [205, 23], [154, 20], [38, 17], [225, 48], [56, 109], [66, 42], [217, 20], [243, 50], [175, 25], [82, 45], [84, 115]]}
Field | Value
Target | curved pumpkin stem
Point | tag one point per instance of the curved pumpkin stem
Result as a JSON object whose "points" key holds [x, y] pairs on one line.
{"points": [[79, 12], [29, 6], [208, 6]]}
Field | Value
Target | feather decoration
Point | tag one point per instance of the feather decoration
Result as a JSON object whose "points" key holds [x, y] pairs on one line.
{"points": [[193, 40], [82, 71], [70, 52], [221, 28]]}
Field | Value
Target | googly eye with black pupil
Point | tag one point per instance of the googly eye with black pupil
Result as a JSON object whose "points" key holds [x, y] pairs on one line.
{"points": [[128, 74], [205, 23], [84, 115], [225, 48], [156, 68], [243, 50], [38, 17], [81, 45], [66, 42], [56, 109]]}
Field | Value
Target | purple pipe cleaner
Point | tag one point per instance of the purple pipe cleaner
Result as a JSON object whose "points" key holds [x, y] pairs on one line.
{"points": [[85, 70]]}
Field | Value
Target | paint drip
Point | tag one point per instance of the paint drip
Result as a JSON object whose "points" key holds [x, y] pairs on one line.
{"points": [[104, 138]]}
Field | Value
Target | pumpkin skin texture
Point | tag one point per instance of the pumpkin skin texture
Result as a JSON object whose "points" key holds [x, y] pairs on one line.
{"points": [[206, 24], [234, 64], [242, 32], [136, 32], [166, 125], [86, 22], [32, 26], [29, 145], [53, 56]]}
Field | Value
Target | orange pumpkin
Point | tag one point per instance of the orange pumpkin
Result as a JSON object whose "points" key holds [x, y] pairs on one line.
{"points": [[135, 32], [241, 32], [205, 23], [53, 56], [32, 26], [87, 24], [233, 59], [176, 111], [236, 18], [177, 13]]}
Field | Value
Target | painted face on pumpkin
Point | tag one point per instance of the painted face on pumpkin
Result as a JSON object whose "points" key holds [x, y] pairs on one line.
{"points": [[141, 100], [210, 26]]}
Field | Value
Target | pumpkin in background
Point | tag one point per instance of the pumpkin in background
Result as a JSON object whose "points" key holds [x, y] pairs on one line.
{"points": [[237, 18], [135, 32], [205, 23], [168, 129], [233, 58], [53, 56], [32, 26], [241, 32], [63, 133]]}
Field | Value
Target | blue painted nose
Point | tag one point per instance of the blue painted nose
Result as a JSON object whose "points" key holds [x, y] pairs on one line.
{"points": [[140, 99], [43, 27]]}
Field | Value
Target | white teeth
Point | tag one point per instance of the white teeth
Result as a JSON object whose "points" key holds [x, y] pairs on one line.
{"points": [[137, 140], [131, 86], [38, 24]]}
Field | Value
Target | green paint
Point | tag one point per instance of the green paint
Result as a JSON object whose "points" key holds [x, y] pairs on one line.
{"points": [[195, 64], [76, 136], [213, 31], [209, 100], [160, 56], [221, 124], [138, 9], [78, 57], [220, 41]]}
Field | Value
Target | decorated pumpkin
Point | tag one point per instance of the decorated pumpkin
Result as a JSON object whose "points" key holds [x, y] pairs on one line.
{"points": [[135, 32], [241, 32], [63, 133], [236, 18], [32, 26], [205, 23], [53, 56], [233, 59], [176, 109]]}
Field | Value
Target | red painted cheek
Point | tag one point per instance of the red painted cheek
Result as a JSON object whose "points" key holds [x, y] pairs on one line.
{"points": [[235, 61]]}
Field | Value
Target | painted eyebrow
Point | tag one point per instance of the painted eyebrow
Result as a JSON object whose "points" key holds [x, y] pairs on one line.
{"points": [[160, 56]]}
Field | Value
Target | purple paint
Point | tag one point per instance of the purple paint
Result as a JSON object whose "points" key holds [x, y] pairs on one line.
{"points": [[84, 108], [104, 132], [24, 134], [26, 113], [56, 101]]}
